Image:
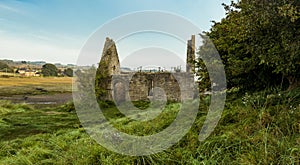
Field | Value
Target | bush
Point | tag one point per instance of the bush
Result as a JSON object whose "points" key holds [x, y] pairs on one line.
{"points": [[69, 72], [49, 70]]}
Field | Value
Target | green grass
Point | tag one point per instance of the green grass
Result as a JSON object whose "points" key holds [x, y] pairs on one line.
{"points": [[21, 121], [259, 128]]}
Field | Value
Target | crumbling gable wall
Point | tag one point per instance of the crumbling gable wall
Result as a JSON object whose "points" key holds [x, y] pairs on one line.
{"points": [[113, 86], [109, 65]]}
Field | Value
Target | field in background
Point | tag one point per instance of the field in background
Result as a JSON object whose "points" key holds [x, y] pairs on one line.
{"points": [[40, 92], [4, 74], [34, 85], [41, 81]]}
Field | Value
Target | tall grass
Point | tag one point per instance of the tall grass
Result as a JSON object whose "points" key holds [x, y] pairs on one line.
{"points": [[259, 128]]}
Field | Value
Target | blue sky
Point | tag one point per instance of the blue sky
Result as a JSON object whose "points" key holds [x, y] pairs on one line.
{"points": [[55, 30]]}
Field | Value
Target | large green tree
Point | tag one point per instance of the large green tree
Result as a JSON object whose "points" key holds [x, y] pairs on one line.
{"points": [[4, 67], [259, 43], [49, 70]]}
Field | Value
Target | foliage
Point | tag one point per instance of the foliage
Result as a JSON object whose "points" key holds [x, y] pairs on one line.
{"points": [[259, 43], [49, 70], [210, 68], [201, 71], [102, 80], [69, 72], [68, 107], [5, 68], [272, 97]]}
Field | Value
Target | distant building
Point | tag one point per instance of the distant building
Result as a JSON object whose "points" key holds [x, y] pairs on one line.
{"points": [[28, 72]]}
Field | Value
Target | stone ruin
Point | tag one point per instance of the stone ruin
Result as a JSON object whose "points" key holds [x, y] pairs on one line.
{"points": [[144, 86]]}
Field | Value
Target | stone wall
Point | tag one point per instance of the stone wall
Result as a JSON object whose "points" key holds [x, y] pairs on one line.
{"points": [[147, 86], [114, 86], [190, 58], [110, 59]]}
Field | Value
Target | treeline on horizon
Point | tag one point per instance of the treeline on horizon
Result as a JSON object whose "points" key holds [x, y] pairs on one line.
{"points": [[47, 69]]}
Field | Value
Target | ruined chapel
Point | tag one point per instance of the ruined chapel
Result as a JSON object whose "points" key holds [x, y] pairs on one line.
{"points": [[118, 86]]}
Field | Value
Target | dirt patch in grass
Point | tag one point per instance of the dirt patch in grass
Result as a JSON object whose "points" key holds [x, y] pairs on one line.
{"points": [[40, 100], [54, 113]]}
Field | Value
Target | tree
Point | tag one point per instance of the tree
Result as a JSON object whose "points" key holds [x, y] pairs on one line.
{"points": [[5, 68], [259, 43], [69, 72], [276, 36], [49, 70]]}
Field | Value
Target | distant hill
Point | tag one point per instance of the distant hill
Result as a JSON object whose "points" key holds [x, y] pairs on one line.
{"points": [[32, 64]]}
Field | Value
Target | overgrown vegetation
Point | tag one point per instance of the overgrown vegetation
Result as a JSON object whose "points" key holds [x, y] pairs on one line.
{"points": [[258, 42], [259, 128]]}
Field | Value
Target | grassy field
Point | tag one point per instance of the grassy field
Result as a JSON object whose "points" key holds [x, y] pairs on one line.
{"points": [[4, 74], [19, 81], [34, 85], [260, 128]]}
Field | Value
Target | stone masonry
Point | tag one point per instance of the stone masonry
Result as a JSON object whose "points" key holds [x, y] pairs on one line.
{"points": [[141, 85]]}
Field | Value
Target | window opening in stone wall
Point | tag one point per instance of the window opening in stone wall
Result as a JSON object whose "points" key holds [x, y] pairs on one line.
{"points": [[150, 89]]}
